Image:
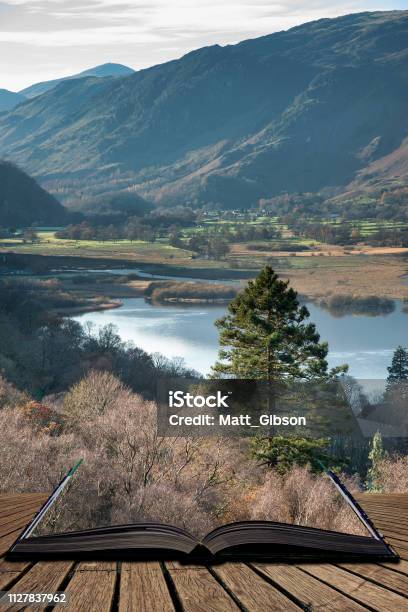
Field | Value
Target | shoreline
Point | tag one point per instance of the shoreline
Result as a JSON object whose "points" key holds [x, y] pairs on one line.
{"points": [[71, 311], [180, 300], [385, 278]]}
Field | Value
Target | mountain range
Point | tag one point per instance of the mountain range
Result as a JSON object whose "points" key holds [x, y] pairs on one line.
{"points": [[320, 106], [10, 99], [104, 70]]}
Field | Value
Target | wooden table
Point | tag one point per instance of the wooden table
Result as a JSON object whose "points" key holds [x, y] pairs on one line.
{"points": [[164, 587]]}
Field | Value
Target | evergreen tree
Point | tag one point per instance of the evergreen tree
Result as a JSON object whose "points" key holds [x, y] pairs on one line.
{"points": [[282, 453], [376, 456], [266, 334], [398, 371], [396, 395]]}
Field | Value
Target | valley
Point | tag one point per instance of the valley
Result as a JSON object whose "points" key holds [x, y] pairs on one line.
{"points": [[203, 205], [315, 269], [175, 185]]}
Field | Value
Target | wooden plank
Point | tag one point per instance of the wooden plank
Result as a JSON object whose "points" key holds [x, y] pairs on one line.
{"points": [[386, 525], [389, 519], [14, 524], [393, 530], [251, 590], [17, 497], [364, 495], [22, 497], [96, 566], [199, 591], [7, 515], [8, 540], [362, 590], [21, 494], [10, 570], [23, 515], [399, 545], [401, 566], [12, 510], [396, 504], [384, 498], [143, 588], [13, 566], [378, 497], [386, 502], [389, 515], [43, 577], [7, 578], [385, 508], [311, 592], [388, 533], [380, 575], [91, 589]]}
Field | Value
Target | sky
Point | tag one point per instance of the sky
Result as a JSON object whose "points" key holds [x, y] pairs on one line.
{"points": [[46, 39]]}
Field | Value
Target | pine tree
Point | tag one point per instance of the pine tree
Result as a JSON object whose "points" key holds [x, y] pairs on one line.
{"points": [[398, 371], [282, 453], [266, 334], [396, 395], [376, 456]]}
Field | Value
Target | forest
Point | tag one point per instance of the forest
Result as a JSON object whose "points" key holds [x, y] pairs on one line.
{"points": [[69, 392]]}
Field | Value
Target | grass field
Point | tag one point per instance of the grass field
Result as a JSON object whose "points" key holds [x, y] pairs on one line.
{"points": [[367, 227], [320, 271], [49, 244]]}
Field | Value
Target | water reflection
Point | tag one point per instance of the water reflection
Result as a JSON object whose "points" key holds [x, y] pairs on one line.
{"points": [[366, 343]]}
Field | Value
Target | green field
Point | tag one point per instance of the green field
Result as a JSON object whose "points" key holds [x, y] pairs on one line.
{"points": [[49, 244], [160, 252], [368, 227]]}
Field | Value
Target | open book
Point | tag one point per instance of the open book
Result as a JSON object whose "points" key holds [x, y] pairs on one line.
{"points": [[241, 541]]}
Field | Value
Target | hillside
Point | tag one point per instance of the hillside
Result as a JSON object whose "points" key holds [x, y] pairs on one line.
{"points": [[104, 70], [319, 105], [9, 99], [23, 202]]}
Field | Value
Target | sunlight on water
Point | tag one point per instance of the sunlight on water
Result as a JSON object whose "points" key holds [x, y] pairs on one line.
{"points": [[365, 343]]}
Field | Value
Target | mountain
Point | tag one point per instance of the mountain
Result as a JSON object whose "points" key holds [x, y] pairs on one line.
{"points": [[9, 99], [320, 105], [104, 70], [23, 202]]}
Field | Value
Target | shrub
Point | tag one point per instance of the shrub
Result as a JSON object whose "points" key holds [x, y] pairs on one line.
{"points": [[302, 498], [392, 474], [93, 396], [171, 291], [10, 396]]}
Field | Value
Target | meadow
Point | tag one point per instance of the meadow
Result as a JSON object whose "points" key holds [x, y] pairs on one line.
{"points": [[315, 269]]}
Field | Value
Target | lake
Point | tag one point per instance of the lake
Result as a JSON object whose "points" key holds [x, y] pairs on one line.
{"points": [[366, 343]]}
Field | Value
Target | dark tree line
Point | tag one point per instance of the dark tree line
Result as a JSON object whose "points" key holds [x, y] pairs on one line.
{"points": [[345, 232], [155, 224], [387, 203], [42, 354]]}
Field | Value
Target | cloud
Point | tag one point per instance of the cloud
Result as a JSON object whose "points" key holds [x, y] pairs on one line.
{"points": [[141, 32], [81, 37]]}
